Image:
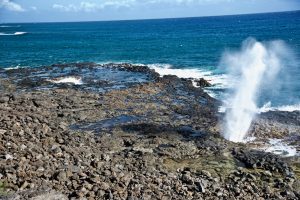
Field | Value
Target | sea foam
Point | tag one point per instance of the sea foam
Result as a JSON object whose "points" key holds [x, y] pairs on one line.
{"points": [[288, 108], [218, 81], [268, 107], [277, 146], [71, 79]]}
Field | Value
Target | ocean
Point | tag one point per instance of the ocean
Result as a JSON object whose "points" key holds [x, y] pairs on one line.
{"points": [[187, 47]]}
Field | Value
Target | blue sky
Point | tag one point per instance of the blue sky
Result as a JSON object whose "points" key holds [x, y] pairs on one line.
{"points": [[96, 10]]}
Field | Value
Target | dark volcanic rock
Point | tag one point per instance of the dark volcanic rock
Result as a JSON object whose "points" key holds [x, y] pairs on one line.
{"points": [[267, 161], [155, 139], [202, 83]]}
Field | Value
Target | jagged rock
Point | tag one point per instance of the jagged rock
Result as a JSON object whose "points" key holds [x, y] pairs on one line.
{"points": [[202, 83], [154, 140]]}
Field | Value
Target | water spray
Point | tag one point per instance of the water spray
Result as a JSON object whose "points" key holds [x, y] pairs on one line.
{"points": [[251, 67]]}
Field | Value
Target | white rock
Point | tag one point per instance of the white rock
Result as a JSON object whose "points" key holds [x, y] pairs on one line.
{"points": [[144, 150], [23, 146], [8, 157], [2, 131]]}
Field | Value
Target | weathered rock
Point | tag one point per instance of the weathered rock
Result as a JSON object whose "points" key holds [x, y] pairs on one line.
{"points": [[154, 140], [202, 83], [4, 99], [61, 176]]}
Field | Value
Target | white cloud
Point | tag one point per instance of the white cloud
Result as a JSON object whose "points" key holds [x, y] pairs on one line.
{"points": [[91, 6], [9, 5], [67, 8], [88, 7], [187, 1]]}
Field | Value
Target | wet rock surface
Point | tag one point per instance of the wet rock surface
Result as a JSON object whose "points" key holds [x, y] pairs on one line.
{"points": [[277, 132], [203, 83], [154, 139], [87, 76], [278, 124]]}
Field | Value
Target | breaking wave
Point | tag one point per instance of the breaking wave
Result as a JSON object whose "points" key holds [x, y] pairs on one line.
{"points": [[15, 33], [288, 108], [217, 80]]}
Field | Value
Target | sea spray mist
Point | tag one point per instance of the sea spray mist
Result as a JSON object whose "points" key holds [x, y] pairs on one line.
{"points": [[253, 67]]}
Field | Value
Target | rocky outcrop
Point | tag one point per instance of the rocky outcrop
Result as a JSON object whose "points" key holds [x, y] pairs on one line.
{"points": [[203, 83], [156, 139]]}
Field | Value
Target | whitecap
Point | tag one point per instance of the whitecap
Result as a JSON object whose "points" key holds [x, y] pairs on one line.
{"points": [[6, 26], [20, 33], [16, 33]]}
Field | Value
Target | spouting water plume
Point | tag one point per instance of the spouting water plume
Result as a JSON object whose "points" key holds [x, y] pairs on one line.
{"points": [[251, 68]]}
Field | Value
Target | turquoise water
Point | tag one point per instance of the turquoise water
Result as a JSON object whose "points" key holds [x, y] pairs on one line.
{"points": [[188, 43]]}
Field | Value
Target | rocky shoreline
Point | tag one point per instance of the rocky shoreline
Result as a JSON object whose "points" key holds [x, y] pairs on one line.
{"points": [[150, 138]]}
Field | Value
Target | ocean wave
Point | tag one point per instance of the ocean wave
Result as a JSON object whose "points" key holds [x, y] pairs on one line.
{"points": [[6, 26], [70, 79], [16, 67], [217, 80], [268, 107], [20, 33], [166, 69], [289, 108], [16, 33]]}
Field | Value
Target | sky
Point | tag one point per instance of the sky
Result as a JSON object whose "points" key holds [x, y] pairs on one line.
{"points": [[102, 10]]}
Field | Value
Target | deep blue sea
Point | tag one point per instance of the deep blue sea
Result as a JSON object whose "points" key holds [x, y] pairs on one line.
{"points": [[187, 46]]}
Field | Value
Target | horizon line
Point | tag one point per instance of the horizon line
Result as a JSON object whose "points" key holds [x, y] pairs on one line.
{"points": [[144, 19]]}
